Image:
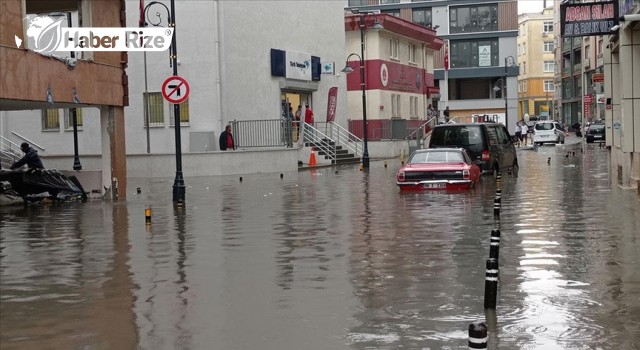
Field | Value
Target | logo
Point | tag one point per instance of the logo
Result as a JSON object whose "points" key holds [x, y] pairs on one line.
{"points": [[384, 75], [46, 34]]}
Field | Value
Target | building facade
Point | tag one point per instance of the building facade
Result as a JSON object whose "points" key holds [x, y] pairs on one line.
{"points": [[622, 96], [398, 67], [481, 38], [536, 86], [226, 53], [38, 91]]}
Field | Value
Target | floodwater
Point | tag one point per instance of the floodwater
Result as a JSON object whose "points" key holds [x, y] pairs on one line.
{"points": [[330, 260]]}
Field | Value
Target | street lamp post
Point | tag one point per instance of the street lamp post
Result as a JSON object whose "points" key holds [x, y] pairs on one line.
{"points": [[347, 69], [504, 90], [178, 183]]}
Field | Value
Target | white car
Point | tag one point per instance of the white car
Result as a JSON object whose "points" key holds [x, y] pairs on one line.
{"points": [[547, 131]]}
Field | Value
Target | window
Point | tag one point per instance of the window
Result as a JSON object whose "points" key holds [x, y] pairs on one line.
{"points": [[50, 119], [474, 53], [422, 16], [184, 113], [469, 19], [413, 106], [358, 2], [525, 86], [547, 46], [524, 67], [156, 109], [547, 27], [587, 48], [394, 47], [413, 51], [549, 86], [395, 105], [395, 13], [549, 66], [68, 118], [382, 2]]}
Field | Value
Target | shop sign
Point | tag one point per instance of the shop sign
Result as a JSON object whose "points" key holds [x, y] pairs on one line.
{"points": [[597, 78], [588, 19]]}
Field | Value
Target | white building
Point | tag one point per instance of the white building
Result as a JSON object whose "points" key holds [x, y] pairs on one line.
{"points": [[225, 52]]}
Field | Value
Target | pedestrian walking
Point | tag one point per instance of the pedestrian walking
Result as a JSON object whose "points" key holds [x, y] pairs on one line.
{"points": [[518, 133], [525, 133]]}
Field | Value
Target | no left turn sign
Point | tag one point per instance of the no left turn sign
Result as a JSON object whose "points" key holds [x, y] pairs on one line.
{"points": [[175, 89]]}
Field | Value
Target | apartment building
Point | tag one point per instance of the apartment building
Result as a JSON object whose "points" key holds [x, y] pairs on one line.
{"points": [[38, 92], [398, 67], [481, 38], [536, 43], [622, 95]]}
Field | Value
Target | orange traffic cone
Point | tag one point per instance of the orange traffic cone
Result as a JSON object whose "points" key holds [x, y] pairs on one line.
{"points": [[312, 158]]}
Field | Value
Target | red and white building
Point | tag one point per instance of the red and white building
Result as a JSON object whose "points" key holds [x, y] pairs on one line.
{"points": [[399, 68]]}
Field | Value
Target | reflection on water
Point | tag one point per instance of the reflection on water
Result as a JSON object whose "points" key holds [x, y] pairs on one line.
{"points": [[329, 260]]}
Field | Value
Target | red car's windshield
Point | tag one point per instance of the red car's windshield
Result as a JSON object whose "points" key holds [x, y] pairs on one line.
{"points": [[437, 157]]}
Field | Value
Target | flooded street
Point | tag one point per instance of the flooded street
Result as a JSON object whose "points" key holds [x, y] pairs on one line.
{"points": [[332, 258]]}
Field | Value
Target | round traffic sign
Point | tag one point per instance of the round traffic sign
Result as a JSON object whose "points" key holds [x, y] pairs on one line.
{"points": [[175, 89]]}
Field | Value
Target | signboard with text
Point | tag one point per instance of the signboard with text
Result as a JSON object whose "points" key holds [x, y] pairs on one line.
{"points": [[588, 19]]}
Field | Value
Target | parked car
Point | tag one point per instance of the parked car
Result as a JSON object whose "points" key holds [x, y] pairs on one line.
{"points": [[488, 144], [596, 132], [438, 169], [548, 131]]}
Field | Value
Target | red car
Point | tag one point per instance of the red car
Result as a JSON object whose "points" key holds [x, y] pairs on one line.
{"points": [[438, 169]]}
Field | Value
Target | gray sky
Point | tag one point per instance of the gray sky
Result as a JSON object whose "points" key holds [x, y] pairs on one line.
{"points": [[531, 6]]}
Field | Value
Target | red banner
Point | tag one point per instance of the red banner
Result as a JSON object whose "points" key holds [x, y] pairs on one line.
{"points": [[332, 102]]}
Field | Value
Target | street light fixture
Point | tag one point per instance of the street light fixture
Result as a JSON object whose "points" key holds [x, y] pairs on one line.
{"points": [[178, 183], [509, 60], [347, 69]]}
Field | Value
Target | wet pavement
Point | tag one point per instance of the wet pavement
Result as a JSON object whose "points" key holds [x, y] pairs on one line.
{"points": [[330, 260]]}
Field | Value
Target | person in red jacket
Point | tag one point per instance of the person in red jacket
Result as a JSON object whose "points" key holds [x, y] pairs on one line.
{"points": [[226, 140], [308, 115]]}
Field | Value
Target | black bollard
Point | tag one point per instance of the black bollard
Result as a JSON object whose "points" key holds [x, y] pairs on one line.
{"points": [[496, 207], [281, 176], [573, 154], [240, 178], [499, 195], [491, 284], [494, 246], [549, 160], [138, 190], [478, 335]]}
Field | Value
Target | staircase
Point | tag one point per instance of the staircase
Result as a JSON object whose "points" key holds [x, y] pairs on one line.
{"points": [[336, 153], [333, 142]]}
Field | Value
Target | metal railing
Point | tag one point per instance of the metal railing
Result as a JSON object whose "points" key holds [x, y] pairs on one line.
{"points": [[9, 152], [342, 137], [424, 129], [319, 140], [263, 133]]}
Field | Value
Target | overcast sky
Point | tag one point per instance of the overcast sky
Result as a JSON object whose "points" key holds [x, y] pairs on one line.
{"points": [[532, 6]]}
